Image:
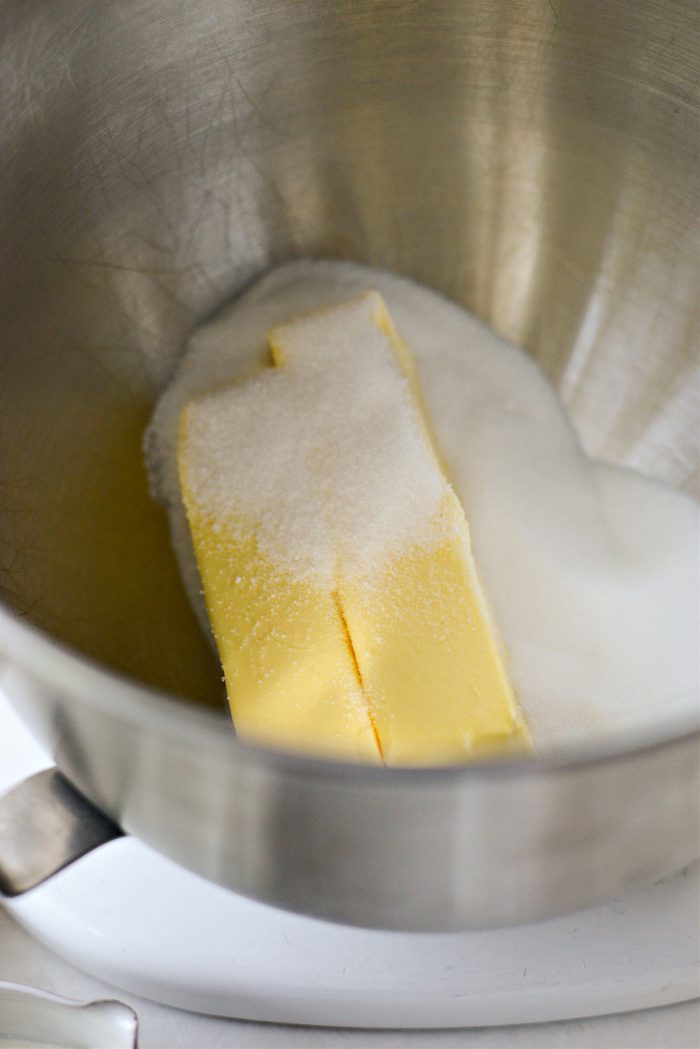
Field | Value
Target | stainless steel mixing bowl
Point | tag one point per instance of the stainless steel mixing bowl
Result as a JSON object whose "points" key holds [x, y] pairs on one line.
{"points": [[537, 160]]}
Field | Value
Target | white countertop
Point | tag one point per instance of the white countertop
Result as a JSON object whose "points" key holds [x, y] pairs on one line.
{"points": [[23, 960]]}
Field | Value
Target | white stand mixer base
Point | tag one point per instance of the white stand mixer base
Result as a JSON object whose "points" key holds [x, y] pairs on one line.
{"points": [[138, 921]]}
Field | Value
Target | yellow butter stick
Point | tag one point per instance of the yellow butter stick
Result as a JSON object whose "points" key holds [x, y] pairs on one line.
{"points": [[426, 648]]}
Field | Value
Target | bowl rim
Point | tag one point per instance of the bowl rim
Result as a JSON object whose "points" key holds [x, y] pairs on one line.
{"points": [[58, 665]]}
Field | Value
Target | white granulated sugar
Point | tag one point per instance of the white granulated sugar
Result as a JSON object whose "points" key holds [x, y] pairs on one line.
{"points": [[593, 572], [326, 454]]}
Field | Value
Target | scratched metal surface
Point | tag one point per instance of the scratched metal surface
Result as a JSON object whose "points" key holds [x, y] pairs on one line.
{"points": [[537, 161]]}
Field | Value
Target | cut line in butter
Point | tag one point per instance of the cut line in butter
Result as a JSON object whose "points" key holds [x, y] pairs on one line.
{"points": [[335, 557]]}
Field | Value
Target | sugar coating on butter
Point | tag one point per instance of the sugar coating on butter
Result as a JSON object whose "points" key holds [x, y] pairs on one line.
{"points": [[325, 451], [592, 571], [328, 537]]}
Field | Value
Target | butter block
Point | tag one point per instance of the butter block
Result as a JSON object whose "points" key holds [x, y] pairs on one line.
{"points": [[282, 645], [428, 655], [426, 648], [335, 557]]}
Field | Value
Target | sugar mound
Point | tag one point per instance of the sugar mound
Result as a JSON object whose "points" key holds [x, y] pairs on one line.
{"points": [[593, 572]]}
